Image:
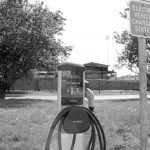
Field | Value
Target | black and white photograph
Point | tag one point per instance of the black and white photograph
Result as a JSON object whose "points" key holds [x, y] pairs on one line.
{"points": [[74, 75]]}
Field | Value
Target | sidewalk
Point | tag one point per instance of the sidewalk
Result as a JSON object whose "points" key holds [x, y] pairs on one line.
{"points": [[97, 97]]}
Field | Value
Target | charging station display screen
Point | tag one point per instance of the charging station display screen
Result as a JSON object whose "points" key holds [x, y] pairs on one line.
{"points": [[72, 87]]}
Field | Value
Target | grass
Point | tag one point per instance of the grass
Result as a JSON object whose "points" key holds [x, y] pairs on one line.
{"points": [[25, 123]]}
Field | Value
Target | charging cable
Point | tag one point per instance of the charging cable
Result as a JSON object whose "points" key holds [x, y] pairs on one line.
{"points": [[77, 124]]}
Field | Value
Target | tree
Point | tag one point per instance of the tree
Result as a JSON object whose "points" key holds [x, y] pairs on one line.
{"points": [[129, 54], [28, 40]]}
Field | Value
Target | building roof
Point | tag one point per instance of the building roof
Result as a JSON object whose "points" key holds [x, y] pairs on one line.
{"points": [[96, 66], [71, 66]]}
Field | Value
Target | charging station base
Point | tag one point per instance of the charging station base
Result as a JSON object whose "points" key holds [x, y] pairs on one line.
{"points": [[67, 141]]}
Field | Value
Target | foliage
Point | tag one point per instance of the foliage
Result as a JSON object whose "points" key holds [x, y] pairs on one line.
{"points": [[28, 39], [25, 123], [129, 55]]}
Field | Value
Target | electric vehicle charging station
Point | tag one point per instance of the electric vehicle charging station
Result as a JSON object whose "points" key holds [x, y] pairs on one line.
{"points": [[70, 75], [73, 117]]}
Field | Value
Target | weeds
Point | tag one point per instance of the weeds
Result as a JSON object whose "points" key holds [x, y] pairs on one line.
{"points": [[25, 126]]}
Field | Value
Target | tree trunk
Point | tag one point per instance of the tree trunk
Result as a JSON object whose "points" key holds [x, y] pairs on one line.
{"points": [[2, 94], [3, 89], [36, 85]]}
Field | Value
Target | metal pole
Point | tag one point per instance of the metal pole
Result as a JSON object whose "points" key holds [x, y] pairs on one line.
{"points": [[59, 90], [143, 93], [99, 86], [107, 40]]}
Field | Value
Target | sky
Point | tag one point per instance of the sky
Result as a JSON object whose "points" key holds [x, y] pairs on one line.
{"points": [[88, 23]]}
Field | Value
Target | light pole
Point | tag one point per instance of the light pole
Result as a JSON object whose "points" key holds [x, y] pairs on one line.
{"points": [[107, 38]]}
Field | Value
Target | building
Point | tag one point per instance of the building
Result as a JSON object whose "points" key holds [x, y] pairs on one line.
{"points": [[98, 71], [131, 78]]}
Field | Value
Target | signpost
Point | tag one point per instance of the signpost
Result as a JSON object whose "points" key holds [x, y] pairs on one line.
{"points": [[140, 27]]}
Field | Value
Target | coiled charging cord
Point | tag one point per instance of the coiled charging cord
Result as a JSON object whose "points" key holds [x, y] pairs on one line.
{"points": [[95, 126]]}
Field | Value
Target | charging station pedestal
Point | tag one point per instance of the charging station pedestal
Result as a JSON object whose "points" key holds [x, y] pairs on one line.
{"points": [[70, 77]]}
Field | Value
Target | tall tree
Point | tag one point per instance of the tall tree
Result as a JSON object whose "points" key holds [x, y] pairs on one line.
{"points": [[28, 40], [128, 57]]}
